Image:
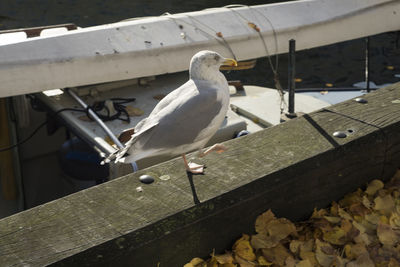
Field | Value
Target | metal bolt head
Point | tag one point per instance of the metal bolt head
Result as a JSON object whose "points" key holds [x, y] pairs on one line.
{"points": [[361, 100], [146, 179], [340, 134]]}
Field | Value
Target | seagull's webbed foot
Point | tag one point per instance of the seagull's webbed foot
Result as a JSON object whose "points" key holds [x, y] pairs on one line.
{"points": [[193, 167], [219, 148]]}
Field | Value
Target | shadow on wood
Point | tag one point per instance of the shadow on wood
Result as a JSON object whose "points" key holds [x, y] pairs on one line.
{"points": [[190, 178]]}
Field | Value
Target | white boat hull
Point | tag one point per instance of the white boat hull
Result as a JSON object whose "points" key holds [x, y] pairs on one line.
{"points": [[159, 45]]}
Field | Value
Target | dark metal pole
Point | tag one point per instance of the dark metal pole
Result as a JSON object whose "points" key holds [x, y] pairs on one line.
{"points": [[367, 64], [291, 74]]}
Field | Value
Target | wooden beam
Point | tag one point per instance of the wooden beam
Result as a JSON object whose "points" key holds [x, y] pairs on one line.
{"points": [[290, 168]]}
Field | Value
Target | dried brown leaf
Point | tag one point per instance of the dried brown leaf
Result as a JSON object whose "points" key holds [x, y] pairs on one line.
{"points": [[373, 187], [304, 263], [359, 209], [224, 258], [336, 237], [318, 233], [307, 246], [212, 262], [384, 204], [243, 249], [394, 220], [310, 256], [393, 263], [339, 262], [366, 202], [227, 265], [351, 231], [196, 262], [262, 261], [353, 251], [294, 246], [365, 238], [263, 220], [351, 198], [317, 214], [259, 241], [333, 219], [323, 224], [362, 261], [280, 228], [324, 253], [244, 263], [132, 111], [343, 214], [276, 255], [372, 218], [290, 262], [84, 118], [334, 210], [386, 234]]}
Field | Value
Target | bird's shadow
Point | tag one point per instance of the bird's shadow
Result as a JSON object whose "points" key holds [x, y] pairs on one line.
{"points": [[190, 178]]}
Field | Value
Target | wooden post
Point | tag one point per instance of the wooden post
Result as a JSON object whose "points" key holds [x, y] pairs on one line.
{"points": [[289, 168], [7, 175]]}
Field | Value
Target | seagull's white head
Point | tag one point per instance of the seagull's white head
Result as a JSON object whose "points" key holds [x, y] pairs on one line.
{"points": [[205, 65]]}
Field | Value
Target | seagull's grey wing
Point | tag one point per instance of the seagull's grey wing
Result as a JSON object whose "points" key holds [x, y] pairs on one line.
{"points": [[181, 122], [172, 97], [143, 128], [152, 120]]}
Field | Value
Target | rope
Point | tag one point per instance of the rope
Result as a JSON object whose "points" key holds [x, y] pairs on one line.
{"points": [[274, 69], [220, 36]]}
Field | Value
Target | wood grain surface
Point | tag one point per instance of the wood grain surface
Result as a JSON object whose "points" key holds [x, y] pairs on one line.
{"points": [[290, 168]]}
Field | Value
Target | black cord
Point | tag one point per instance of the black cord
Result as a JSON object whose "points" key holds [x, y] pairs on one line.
{"points": [[26, 139], [34, 131], [117, 105]]}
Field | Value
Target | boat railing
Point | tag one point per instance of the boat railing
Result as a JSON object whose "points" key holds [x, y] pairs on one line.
{"points": [[36, 31]]}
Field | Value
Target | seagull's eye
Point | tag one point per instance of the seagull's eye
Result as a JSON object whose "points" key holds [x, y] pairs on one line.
{"points": [[216, 57]]}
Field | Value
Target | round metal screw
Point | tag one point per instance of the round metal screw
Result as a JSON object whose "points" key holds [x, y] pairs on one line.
{"points": [[146, 179], [340, 134], [361, 100]]}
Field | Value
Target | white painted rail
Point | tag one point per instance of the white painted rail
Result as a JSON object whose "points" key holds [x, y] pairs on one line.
{"points": [[159, 45]]}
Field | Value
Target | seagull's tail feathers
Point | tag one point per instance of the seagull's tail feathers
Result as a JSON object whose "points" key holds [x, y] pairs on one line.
{"points": [[121, 154], [117, 155], [109, 158]]}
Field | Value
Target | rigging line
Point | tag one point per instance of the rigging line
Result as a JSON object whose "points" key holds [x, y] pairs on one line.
{"points": [[218, 34], [273, 31], [220, 40], [252, 25], [274, 69], [267, 19]]}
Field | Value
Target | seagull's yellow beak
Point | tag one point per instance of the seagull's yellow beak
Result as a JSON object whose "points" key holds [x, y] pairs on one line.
{"points": [[229, 62]]}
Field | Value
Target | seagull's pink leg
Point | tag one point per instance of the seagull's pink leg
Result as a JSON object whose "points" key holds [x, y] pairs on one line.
{"points": [[219, 148], [192, 167]]}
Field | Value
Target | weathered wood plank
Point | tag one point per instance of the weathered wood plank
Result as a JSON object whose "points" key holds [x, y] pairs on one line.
{"points": [[290, 168]]}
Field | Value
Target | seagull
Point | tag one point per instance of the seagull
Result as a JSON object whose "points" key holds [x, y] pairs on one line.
{"points": [[185, 119]]}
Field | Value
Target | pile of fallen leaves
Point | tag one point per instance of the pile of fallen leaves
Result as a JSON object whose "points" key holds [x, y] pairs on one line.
{"points": [[362, 229]]}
